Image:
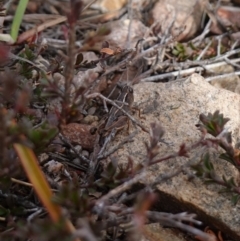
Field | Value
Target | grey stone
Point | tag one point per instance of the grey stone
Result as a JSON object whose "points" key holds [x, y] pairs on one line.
{"points": [[177, 106]]}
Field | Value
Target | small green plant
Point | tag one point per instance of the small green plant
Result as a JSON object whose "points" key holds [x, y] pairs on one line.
{"points": [[214, 124]]}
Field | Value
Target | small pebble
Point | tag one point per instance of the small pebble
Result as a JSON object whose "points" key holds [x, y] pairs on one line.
{"points": [[85, 153], [43, 157], [89, 119], [92, 110], [78, 148], [76, 161]]}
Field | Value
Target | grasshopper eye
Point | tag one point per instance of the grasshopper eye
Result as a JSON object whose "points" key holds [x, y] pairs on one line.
{"points": [[130, 90]]}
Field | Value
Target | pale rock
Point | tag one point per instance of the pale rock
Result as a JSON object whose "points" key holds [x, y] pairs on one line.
{"points": [[231, 83], [119, 33], [155, 232], [185, 16], [177, 106], [54, 167]]}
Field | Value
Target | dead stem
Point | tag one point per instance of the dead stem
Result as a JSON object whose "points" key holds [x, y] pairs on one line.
{"points": [[94, 95]]}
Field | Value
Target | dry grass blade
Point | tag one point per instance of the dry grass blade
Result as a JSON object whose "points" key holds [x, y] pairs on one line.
{"points": [[29, 33], [36, 177]]}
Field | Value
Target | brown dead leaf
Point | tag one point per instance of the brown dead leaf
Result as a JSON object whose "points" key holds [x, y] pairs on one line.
{"points": [[109, 5], [226, 18], [111, 51], [29, 33], [213, 236], [33, 6], [107, 51]]}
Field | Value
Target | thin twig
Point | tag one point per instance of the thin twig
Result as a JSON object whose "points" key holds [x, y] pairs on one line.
{"points": [[69, 68], [176, 220], [94, 95], [203, 52], [88, 5], [219, 46], [198, 40], [93, 166], [65, 140], [189, 71], [21, 182], [114, 149], [130, 17], [222, 76], [231, 62], [107, 140], [121, 188], [15, 57]]}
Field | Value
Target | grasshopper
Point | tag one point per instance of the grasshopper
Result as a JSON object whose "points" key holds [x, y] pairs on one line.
{"points": [[116, 118]]}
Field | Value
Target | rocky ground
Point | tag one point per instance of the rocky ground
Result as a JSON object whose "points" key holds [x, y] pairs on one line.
{"points": [[126, 114]]}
